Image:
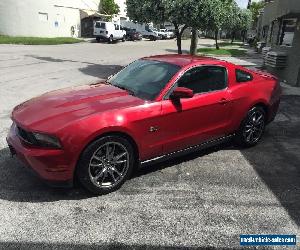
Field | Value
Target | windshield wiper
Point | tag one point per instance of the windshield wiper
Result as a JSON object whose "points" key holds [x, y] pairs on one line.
{"points": [[130, 92]]}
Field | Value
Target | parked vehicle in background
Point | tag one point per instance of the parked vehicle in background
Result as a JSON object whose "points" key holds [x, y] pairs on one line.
{"points": [[108, 31], [166, 34], [132, 34], [156, 108], [151, 34]]}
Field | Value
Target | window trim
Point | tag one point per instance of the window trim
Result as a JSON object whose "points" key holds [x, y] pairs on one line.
{"points": [[243, 71], [171, 89], [280, 40]]}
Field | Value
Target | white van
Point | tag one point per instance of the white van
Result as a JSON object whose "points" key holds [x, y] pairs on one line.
{"points": [[109, 31]]}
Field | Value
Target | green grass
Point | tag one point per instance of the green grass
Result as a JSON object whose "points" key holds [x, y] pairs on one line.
{"points": [[222, 51], [37, 40], [229, 44]]}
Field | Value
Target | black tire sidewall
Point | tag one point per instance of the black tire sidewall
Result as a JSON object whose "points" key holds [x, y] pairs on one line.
{"points": [[83, 164]]}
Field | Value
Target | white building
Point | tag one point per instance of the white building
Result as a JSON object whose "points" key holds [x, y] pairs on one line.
{"points": [[49, 18]]}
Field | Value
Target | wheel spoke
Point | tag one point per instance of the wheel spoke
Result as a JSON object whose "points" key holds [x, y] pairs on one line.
{"points": [[249, 136], [112, 151], [116, 171], [97, 165], [112, 175], [98, 158], [118, 157], [96, 178], [248, 130], [259, 119], [107, 151], [120, 162]]}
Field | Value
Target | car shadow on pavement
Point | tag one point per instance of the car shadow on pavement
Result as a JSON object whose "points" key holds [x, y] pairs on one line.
{"points": [[276, 159], [18, 183], [101, 71], [93, 69]]}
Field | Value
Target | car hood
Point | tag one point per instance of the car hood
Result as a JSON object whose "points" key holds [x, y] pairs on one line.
{"points": [[58, 108]]}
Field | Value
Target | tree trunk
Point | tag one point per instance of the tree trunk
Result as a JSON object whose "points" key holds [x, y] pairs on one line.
{"points": [[232, 36], [194, 42], [178, 34], [243, 35], [216, 39]]}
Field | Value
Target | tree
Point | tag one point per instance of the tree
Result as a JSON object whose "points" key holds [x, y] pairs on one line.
{"points": [[182, 13], [109, 7], [245, 22], [220, 16], [255, 8]]}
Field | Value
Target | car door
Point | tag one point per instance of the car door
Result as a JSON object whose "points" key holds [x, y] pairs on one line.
{"points": [[203, 117]]}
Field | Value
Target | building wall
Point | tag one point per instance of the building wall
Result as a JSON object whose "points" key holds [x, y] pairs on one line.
{"points": [[43, 18], [123, 8], [279, 8], [291, 73], [274, 12]]}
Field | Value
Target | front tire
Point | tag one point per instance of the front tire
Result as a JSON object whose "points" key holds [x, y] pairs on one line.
{"points": [[106, 164], [252, 127]]}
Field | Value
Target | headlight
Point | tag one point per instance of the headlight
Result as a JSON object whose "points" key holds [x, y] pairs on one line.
{"points": [[45, 140]]}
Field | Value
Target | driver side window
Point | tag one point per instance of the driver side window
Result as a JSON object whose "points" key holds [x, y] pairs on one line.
{"points": [[204, 79]]}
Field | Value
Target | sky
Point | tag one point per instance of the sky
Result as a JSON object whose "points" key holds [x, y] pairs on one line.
{"points": [[244, 3]]}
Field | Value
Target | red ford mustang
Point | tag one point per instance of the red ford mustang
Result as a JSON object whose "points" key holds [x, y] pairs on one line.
{"points": [[156, 107]]}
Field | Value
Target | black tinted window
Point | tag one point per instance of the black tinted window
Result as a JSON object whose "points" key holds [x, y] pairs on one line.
{"points": [[242, 76], [204, 79], [100, 25]]}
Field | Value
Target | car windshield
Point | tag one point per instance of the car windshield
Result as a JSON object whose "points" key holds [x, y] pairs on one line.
{"points": [[144, 78]]}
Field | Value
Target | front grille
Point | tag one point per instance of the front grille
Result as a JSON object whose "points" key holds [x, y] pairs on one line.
{"points": [[25, 136]]}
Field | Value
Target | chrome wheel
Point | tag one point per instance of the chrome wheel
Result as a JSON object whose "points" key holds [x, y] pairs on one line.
{"points": [[109, 165], [254, 127]]}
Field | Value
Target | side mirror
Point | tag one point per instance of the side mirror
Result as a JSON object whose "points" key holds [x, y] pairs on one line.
{"points": [[181, 92]]}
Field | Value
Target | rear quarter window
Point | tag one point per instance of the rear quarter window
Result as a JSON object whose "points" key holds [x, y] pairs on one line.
{"points": [[243, 76]]}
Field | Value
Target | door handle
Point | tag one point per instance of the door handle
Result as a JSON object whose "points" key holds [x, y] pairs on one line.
{"points": [[224, 101]]}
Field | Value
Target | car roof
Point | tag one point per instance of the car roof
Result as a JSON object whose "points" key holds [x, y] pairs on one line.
{"points": [[184, 60]]}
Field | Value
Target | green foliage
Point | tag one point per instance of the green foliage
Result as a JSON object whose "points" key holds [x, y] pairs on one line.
{"points": [[255, 7], [109, 7], [38, 40]]}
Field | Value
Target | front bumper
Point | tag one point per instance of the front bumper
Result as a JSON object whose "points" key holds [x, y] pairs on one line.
{"points": [[51, 165]]}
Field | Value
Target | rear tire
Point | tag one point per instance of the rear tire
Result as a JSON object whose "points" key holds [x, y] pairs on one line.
{"points": [[252, 127], [124, 39], [110, 39], [106, 164]]}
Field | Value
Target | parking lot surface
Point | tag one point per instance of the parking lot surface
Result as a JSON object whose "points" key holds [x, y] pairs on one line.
{"points": [[206, 199]]}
